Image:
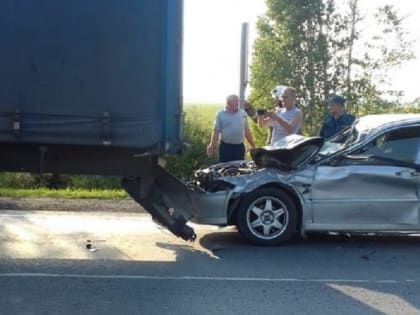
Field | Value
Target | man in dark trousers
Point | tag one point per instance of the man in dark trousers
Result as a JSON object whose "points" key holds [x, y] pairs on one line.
{"points": [[231, 126], [337, 119]]}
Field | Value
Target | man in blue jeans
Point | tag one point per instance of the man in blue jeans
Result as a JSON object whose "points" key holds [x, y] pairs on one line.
{"points": [[231, 126], [337, 119]]}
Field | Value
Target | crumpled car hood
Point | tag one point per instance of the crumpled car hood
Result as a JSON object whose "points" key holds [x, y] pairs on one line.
{"points": [[289, 153]]}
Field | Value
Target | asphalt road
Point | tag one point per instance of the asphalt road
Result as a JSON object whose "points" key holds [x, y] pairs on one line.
{"points": [[134, 267]]}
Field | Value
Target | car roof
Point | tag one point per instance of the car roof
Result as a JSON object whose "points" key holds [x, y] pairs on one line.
{"points": [[371, 122]]}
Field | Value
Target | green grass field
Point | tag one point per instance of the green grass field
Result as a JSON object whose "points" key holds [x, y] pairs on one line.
{"points": [[205, 113]]}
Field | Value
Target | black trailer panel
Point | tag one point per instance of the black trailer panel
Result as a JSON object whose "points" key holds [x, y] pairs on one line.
{"points": [[97, 72]]}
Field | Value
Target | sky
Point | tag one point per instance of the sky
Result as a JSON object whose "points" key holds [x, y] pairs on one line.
{"points": [[212, 33]]}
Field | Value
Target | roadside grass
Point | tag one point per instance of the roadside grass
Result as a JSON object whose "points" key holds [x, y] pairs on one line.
{"points": [[63, 193]]}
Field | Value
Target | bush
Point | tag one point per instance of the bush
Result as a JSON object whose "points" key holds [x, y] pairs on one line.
{"points": [[94, 182], [197, 130], [17, 180], [58, 181]]}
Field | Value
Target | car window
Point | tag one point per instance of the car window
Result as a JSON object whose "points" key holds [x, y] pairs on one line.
{"points": [[401, 145]]}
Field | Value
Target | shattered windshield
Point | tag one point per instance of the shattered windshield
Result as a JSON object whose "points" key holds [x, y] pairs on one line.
{"points": [[342, 140]]}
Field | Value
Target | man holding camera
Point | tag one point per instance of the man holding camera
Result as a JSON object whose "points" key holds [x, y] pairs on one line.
{"points": [[284, 120], [231, 126]]}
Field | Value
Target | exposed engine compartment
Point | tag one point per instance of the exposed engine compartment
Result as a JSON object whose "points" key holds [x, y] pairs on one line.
{"points": [[287, 154], [210, 178]]}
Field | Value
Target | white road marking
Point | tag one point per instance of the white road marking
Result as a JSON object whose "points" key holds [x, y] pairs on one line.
{"points": [[200, 278]]}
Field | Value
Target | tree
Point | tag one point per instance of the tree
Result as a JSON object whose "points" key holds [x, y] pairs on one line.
{"points": [[292, 49], [379, 52], [315, 47]]}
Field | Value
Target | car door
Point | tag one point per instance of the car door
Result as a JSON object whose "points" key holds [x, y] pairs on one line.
{"points": [[374, 188]]}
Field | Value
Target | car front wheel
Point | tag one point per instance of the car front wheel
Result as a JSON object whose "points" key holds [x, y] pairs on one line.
{"points": [[267, 216]]}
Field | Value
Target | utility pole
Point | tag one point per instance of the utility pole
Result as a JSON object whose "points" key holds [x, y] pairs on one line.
{"points": [[243, 79]]}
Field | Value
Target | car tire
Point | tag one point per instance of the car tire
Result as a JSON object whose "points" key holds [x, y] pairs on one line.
{"points": [[267, 217]]}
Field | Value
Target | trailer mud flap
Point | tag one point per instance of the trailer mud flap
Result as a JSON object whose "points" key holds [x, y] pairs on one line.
{"points": [[167, 199]]}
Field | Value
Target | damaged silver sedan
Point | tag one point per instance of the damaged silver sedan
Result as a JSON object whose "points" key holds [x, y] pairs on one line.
{"points": [[366, 179]]}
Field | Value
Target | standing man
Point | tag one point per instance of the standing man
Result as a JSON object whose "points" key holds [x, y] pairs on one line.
{"points": [[284, 120], [337, 119], [231, 125]]}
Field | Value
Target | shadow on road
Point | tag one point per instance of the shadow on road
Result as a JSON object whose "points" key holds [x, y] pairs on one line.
{"points": [[325, 274]]}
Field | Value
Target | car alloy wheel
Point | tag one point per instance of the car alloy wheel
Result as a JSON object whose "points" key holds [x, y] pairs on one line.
{"points": [[267, 216]]}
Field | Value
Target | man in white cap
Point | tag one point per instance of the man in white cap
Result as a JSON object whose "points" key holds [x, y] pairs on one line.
{"points": [[284, 120]]}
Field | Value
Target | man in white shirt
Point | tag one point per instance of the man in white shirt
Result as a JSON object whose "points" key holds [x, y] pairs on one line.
{"points": [[286, 120]]}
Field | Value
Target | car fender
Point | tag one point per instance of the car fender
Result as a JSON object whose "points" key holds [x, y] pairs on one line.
{"points": [[293, 183]]}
